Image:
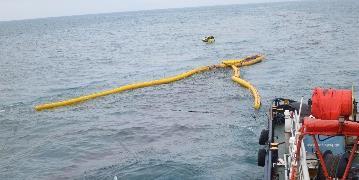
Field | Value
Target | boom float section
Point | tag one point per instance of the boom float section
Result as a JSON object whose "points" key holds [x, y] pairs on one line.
{"points": [[236, 78], [235, 64]]}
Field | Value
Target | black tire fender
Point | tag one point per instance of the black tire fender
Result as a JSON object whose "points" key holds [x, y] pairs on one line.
{"points": [[263, 138], [262, 157]]}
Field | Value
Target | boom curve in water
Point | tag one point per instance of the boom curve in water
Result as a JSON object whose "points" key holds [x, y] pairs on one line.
{"points": [[233, 63]]}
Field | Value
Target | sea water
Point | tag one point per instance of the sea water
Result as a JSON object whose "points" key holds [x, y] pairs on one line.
{"points": [[203, 127]]}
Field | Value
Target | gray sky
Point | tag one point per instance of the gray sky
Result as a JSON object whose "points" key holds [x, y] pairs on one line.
{"points": [[28, 9]]}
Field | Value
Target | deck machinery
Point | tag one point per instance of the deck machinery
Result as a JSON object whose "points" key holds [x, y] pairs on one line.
{"points": [[313, 141]]}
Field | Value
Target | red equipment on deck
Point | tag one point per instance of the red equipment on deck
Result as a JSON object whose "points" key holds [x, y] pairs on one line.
{"points": [[328, 106], [331, 103], [330, 127]]}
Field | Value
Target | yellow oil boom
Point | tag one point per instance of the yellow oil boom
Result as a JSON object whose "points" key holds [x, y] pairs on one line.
{"points": [[234, 64]]}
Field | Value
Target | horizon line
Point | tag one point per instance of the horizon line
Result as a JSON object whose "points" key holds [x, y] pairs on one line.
{"points": [[140, 10]]}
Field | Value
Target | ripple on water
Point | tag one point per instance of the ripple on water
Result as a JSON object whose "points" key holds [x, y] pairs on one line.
{"points": [[203, 127], [152, 169]]}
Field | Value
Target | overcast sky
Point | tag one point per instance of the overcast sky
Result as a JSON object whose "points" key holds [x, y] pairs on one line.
{"points": [[28, 9]]}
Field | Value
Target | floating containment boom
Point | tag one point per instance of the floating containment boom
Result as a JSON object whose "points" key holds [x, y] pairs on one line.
{"points": [[234, 64]]}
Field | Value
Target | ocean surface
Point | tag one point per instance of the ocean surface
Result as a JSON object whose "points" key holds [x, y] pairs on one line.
{"points": [[203, 127]]}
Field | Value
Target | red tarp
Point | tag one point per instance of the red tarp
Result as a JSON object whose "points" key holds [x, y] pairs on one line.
{"points": [[331, 103], [330, 127]]}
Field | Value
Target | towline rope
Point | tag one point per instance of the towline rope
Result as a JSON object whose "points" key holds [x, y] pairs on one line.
{"points": [[233, 63]]}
